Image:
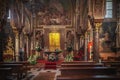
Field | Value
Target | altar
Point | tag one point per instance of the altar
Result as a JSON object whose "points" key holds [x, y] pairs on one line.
{"points": [[52, 55]]}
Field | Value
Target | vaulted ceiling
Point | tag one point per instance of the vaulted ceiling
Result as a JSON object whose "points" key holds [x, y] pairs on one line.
{"points": [[37, 5]]}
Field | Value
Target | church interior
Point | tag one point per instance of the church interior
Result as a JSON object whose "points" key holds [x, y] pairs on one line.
{"points": [[59, 39]]}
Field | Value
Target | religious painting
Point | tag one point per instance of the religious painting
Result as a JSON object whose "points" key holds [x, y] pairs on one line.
{"points": [[54, 12], [108, 37]]}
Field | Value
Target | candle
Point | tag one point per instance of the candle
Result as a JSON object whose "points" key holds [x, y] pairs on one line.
{"points": [[90, 51]]}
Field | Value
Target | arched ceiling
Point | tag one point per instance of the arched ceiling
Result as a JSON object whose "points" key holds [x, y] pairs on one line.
{"points": [[60, 5]]}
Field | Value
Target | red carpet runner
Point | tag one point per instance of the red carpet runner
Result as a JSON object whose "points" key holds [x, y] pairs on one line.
{"points": [[49, 65]]}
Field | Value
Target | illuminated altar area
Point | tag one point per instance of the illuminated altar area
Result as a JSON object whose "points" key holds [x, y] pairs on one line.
{"points": [[54, 41]]}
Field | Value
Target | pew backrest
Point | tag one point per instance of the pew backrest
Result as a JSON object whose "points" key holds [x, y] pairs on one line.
{"points": [[88, 71]]}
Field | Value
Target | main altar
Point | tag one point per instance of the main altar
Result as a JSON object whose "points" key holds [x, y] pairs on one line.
{"points": [[52, 55]]}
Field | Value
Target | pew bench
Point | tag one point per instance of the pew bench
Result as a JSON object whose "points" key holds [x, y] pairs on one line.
{"points": [[83, 65], [79, 62], [113, 64], [93, 77], [4, 73], [88, 71], [116, 66], [108, 63], [17, 69], [25, 64]]}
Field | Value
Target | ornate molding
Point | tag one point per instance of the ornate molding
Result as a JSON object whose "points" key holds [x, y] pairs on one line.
{"points": [[99, 9]]}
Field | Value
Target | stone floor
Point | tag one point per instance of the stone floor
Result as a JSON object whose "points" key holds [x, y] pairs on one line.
{"points": [[42, 74]]}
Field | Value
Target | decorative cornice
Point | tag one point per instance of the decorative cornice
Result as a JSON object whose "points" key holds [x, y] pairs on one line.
{"points": [[98, 9]]}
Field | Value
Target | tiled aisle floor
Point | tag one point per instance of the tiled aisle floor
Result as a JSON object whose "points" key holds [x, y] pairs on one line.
{"points": [[34, 72]]}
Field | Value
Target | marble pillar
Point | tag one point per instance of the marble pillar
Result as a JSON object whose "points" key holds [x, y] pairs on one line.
{"points": [[96, 55]]}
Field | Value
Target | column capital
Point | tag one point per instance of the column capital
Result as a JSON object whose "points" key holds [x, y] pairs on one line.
{"points": [[16, 33], [98, 25]]}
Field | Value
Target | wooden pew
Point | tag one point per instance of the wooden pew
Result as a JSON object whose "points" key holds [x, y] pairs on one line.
{"points": [[65, 71], [94, 77], [83, 65], [4, 73], [116, 66], [16, 68], [108, 63], [86, 71], [112, 64], [79, 62], [25, 64]]}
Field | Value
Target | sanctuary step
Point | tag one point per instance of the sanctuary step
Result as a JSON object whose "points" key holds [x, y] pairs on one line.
{"points": [[50, 65]]}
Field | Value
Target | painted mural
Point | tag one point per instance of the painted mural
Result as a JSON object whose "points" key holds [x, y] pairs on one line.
{"points": [[107, 37], [52, 12]]}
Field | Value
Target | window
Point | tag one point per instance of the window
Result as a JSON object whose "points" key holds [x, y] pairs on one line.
{"points": [[9, 13], [109, 9]]}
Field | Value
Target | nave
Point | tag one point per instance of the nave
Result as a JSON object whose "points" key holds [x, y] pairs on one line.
{"points": [[59, 39], [74, 70]]}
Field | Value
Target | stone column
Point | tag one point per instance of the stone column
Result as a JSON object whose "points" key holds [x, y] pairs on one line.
{"points": [[33, 22], [96, 55], [28, 44], [81, 41], [85, 47], [77, 24], [96, 24], [16, 46], [78, 42]]}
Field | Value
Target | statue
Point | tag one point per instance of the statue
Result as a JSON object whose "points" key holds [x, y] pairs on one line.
{"points": [[40, 39], [70, 39]]}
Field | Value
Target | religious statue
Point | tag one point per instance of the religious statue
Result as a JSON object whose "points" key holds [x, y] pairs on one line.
{"points": [[70, 39], [39, 39]]}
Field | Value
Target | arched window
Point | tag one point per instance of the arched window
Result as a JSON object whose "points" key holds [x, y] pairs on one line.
{"points": [[109, 9], [9, 14]]}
